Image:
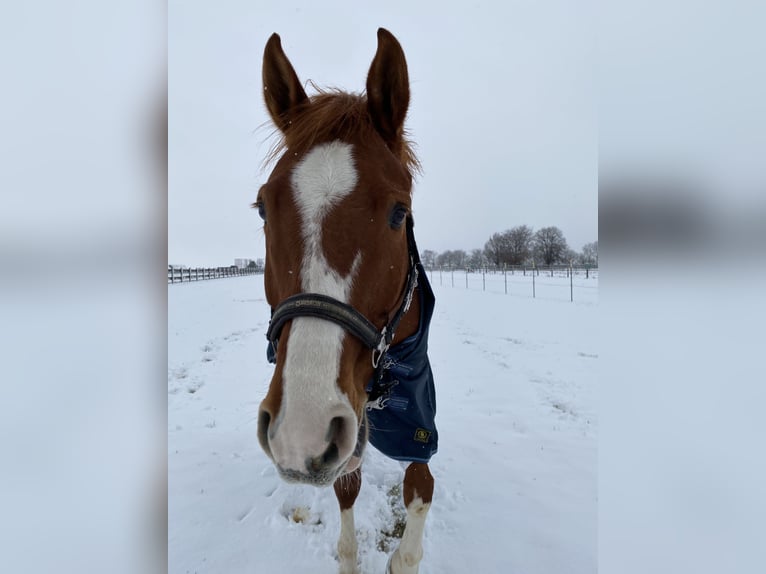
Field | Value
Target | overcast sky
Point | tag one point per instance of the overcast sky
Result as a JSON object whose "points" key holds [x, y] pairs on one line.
{"points": [[503, 112]]}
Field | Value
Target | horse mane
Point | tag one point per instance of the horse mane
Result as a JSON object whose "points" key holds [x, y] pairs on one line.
{"points": [[332, 114]]}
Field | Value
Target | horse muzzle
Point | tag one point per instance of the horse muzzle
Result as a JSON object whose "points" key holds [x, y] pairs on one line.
{"points": [[311, 447], [302, 455]]}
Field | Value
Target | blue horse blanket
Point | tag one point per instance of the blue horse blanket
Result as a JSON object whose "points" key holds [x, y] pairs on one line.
{"points": [[401, 421]]}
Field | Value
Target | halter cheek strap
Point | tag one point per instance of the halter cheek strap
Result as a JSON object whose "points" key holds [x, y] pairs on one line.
{"points": [[329, 309]]}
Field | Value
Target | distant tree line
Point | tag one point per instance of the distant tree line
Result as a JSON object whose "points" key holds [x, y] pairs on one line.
{"points": [[520, 245]]}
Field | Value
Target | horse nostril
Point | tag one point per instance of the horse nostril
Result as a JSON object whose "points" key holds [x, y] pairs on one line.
{"points": [[264, 419], [331, 456], [335, 430], [326, 460]]}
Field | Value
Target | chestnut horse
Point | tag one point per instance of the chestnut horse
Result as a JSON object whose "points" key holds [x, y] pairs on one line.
{"points": [[350, 300]]}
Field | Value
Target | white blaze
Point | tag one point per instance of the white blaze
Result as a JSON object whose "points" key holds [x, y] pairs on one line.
{"points": [[320, 181]]}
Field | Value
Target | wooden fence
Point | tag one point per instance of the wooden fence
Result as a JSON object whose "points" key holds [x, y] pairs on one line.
{"points": [[201, 273]]}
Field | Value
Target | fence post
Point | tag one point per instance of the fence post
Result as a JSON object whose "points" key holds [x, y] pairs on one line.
{"points": [[483, 279], [505, 277], [571, 288], [453, 275], [466, 278], [533, 280]]}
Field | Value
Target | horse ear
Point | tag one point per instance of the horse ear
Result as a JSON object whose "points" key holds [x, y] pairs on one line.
{"points": [[282, 89], [388, 89]]}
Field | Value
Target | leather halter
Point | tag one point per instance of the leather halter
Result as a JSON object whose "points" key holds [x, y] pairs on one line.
{"points": [[354, 322]]}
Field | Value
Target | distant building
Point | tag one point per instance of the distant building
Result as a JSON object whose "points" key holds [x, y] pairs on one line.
{"points": [[177, 267], [242, 263]]}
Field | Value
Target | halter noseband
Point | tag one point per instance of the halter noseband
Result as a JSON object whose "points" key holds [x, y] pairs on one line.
{"points": [[329, 309]]}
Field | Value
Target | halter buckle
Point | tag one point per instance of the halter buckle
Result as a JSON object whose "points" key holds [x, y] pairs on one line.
{"points": [[378, 404], [381, 349]]}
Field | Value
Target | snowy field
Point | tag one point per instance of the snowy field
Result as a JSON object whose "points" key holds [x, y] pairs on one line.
{"points": [[516, 483]]}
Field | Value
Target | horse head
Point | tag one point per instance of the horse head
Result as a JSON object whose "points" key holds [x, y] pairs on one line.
{"points": [[337, 211]]}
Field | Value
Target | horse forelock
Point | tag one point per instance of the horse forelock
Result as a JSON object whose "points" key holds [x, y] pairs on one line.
{"points": [[332, 114]]}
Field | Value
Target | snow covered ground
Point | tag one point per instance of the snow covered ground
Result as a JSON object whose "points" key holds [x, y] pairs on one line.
{"points": [[516, 483]]}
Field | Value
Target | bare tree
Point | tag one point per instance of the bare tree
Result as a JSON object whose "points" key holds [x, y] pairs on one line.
{"points": [[446, 259], [589, 255], [501, 248], [476, 259], [518, 244], [428, 258], [550, 246], [450, 258], [493, 248], [460, 258], [512, 246]]}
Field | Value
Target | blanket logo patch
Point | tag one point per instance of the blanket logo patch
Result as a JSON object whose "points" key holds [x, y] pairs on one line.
{"points": [[422, 435]]}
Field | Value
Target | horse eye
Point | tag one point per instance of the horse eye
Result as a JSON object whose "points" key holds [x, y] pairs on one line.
{"points": [[397, 216], [261, 210]]}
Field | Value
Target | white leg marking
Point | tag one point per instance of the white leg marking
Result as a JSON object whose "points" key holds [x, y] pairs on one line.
{"points": [[311, 395], [347, 547], [407, 557]]}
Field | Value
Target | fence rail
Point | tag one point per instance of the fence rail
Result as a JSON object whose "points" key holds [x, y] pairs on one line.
{"points": [[559, 269], [562, 281], [201, 273]]}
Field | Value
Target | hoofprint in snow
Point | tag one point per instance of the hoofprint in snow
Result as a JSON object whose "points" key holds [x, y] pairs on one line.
{"points": [[515, 472]]}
